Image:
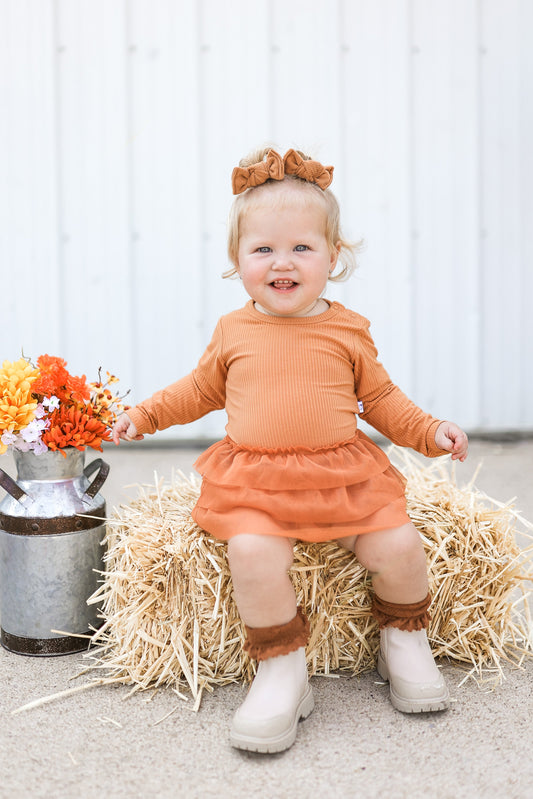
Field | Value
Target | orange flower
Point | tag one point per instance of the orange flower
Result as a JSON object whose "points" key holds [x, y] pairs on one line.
{"points": [[72, 427], [48, 362], [52, 375], [55, 380], [77, 388]]}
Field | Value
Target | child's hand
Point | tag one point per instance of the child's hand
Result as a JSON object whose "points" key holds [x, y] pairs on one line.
{"points": [[452, 439], [125, 429]]}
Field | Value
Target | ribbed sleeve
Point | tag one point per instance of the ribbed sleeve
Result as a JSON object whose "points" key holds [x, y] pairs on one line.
{"points": [[400, 420], [385, 406], [188, 399]]}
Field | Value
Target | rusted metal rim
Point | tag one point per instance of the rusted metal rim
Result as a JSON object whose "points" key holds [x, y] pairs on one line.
{"points": [[55, 525], [66, 645], [99, 480]]}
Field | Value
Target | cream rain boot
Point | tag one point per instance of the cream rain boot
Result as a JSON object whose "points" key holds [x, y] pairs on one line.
{"points": [[278, 698], [406, 661]]}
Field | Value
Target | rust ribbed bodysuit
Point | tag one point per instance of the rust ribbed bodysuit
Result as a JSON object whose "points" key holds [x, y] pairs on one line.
{"points": [[293, 462]]}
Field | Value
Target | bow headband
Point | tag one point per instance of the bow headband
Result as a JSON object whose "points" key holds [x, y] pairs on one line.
{"points": [[274, 167]]}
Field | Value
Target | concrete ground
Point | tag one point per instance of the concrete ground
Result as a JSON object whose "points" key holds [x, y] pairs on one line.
{"points": [[101, 742]]}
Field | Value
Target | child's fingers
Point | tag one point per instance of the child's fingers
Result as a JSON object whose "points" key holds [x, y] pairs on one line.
{"points": [[444, 437], [460, 446], [452, 439], [130, 434], [116, 434], [125, 429]]}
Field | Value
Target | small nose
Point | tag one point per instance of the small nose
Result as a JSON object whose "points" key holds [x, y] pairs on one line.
{"points": [[282, 261]]}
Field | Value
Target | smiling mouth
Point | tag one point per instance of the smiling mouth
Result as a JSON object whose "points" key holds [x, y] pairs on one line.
{"points": [[283, 285]]}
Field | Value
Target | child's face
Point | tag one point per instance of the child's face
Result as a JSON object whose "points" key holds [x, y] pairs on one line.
{"points": [[284, 258]]}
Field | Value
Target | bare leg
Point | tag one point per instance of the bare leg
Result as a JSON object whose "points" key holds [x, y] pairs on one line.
{"points": [[259, 569], [396, 561]]}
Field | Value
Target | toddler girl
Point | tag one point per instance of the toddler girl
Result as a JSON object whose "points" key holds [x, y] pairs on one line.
{"points": [[293, 370]]}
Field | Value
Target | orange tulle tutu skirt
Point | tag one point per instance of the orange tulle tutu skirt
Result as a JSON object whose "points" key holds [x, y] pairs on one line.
{"points": [[311, 495]]}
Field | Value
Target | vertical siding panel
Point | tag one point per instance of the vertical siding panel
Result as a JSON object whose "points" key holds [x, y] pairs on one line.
{"points": [[376, 167], [445, 152], [93, 153], [305, 75], [525, 203], [30, 310], [166, 226], [506, 176]]}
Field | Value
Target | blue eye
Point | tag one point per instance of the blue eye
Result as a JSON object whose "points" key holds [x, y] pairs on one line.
{"points": [[301, 247], [263, 249]]}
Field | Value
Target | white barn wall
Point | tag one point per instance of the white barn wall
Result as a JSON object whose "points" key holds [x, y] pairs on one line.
{"points": [[30, 268], [122, 119], [506, 208], [445, 215], [93, 185], [166, 285]]}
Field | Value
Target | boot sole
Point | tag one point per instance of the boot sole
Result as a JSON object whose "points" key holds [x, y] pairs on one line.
{"points": [[408, 705], [280, 742]]}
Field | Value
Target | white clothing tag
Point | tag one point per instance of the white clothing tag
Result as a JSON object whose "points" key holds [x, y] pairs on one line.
{"points": [[360, 406]]}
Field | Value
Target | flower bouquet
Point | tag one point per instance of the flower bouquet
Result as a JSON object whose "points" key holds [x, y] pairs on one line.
{"points": [[44, 407]]}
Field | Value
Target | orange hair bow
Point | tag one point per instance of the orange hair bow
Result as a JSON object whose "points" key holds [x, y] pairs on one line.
{"points": [[274, 167], [309, 170], [247, 177]]}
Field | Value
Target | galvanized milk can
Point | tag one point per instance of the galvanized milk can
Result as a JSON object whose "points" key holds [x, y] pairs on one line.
{"points": [[52, 525]]}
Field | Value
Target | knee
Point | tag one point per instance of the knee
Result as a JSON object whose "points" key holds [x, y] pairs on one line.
{"points": [[390, 548], [251, 556]]}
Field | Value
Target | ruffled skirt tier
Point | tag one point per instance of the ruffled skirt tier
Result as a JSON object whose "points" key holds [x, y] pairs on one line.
{"points": [[312, 495]]}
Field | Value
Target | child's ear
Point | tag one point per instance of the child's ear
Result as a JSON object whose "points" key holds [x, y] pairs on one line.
{"points": [[334, 255]]}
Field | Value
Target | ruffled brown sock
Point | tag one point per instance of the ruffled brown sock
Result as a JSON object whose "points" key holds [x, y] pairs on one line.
{"points": [[269, 642], [405, 617]]}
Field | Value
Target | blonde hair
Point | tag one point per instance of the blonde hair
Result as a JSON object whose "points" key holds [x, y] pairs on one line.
{"points": [[276, 192]]}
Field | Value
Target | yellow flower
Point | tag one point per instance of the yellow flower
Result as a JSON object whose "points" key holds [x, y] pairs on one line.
{"points": [[17, 406]]}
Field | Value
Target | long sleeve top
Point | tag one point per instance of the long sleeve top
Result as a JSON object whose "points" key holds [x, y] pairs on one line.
{"points": [[291, 382]]}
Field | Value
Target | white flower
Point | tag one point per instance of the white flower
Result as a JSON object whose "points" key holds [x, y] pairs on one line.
{"points": [[39, 448], [9, 439], [32, 432], [39, 411], [52, 403]]}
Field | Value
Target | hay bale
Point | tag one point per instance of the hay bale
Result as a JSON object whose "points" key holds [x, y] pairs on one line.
{"points": [[170, 618]]}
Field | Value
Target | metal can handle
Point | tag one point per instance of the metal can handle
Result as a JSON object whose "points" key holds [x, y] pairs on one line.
{"points": [[9, 485], [99, 480]]}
